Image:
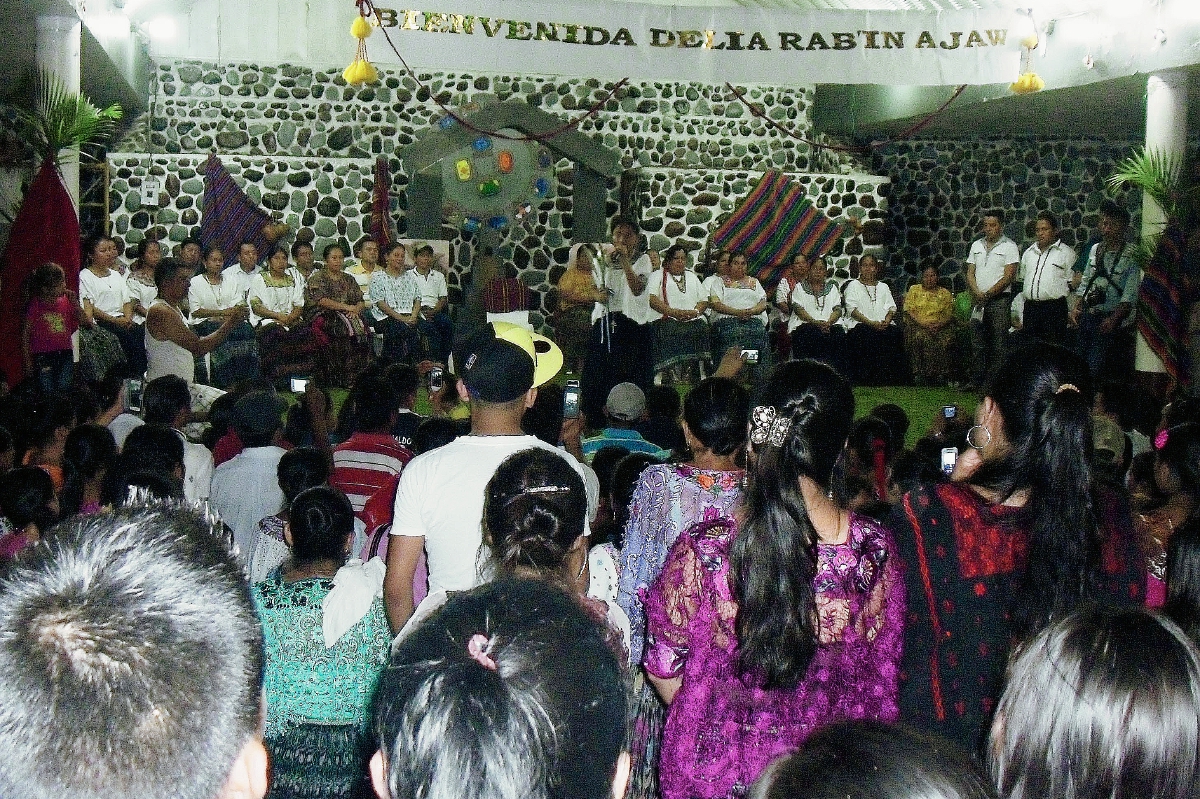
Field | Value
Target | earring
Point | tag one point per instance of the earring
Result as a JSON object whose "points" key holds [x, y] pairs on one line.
{"points": [[971, 437]]}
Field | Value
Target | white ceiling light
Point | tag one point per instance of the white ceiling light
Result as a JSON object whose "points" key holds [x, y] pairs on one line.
{"points": [[161, 29]]}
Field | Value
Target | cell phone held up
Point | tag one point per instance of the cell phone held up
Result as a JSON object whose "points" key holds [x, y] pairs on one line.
{"points": [[437, 380], [571, 400], [133, 390]]}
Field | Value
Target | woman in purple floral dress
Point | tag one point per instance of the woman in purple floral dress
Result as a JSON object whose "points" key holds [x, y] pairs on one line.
{"points": [[783, 617], [670, 498]]}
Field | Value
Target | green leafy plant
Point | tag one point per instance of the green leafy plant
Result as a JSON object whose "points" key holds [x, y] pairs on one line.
{"points": [[1154, 172], [51, 118]]}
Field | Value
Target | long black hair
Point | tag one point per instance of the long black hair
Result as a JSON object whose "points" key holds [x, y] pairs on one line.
{"points": [[806, 409], [1044, 395]]}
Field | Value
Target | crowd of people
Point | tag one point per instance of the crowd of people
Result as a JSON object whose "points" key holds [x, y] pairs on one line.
{"points": [[730, 585]]}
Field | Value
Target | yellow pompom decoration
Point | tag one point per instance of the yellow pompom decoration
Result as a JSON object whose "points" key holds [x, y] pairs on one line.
{"points": [[360, 70], [1030, 41], [360, 28], [1027, 83]]}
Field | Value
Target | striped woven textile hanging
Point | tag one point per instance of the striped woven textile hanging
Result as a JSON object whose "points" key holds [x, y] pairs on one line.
{"points": [[230, 217], [381, 223], [774, 222]]}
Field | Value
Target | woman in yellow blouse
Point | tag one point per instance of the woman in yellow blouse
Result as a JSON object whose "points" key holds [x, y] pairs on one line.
{"points": [[578, 294], [929, 330]]}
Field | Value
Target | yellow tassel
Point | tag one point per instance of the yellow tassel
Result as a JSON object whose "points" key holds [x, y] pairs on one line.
{"points": [[1027, 83], [360, 28]]}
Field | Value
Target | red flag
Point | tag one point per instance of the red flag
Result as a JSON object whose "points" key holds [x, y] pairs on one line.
{"points": [[381, 228], [46, 229]]}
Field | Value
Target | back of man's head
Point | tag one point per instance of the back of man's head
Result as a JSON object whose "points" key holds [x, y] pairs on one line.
{"points": [[374, 404], [132, 661], [165, 398]]}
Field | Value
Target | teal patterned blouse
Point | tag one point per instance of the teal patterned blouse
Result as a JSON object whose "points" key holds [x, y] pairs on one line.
{"points": [[304, 680]]}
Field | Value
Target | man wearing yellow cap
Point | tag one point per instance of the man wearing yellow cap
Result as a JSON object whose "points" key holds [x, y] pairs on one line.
{"points": [[439, 505]]}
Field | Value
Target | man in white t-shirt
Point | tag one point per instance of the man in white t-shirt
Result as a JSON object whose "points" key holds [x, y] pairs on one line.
{"points": [[439, 503], [991, 269], [1048, 276]]}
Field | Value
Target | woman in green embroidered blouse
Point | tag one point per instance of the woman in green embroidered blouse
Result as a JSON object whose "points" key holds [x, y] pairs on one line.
{"points": [[325, 649]]}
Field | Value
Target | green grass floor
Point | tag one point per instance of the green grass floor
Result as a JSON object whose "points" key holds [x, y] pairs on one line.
{"points": [[920, 403]]}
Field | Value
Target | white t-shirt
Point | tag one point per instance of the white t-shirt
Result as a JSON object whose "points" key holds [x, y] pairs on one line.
{"points": [[440, 497], [873, 302], [107, 294], [140, 292], [989, 264], [820, 308], [622, 299], [240, 279], [202, 294], [1046, 274], [276, 298], [432, 285], [739, 296], [665, 287]]}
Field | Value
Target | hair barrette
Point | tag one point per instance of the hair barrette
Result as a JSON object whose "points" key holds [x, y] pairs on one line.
{"points": [[479, 647], [1161, 439], [551, 489], [767, 424], [1067, 387]]}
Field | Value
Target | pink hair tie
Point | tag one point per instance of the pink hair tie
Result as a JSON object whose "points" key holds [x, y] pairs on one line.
{"points": [[480, 650], [1160, 440]]}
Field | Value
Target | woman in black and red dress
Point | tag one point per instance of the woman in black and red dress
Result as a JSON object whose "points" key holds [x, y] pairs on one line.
{"points": [[1021, 541]]}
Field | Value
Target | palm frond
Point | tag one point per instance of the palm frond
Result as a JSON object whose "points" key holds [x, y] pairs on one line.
{"points": [[55, 118], [1155, 172]]}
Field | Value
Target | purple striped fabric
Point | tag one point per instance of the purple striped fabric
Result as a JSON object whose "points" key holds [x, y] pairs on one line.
{"points": [[774, 222], [230, 217], [381, 223]]}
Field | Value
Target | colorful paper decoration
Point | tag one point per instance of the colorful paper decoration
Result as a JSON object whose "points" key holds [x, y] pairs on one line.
{"points": [[471, 224], [489, 188], [505, 161], [463, 168], [482, 144], [498, 222]]}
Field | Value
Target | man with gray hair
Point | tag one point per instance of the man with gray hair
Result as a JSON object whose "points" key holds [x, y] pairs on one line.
{"points": [[132, 661]]}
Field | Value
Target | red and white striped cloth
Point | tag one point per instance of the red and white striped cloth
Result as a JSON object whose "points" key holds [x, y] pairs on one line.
{"points": [[365, 463]]}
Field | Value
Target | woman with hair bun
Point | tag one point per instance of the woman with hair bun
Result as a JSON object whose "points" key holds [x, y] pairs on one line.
{"points": [[670, 498], [1104, 702], [1021, 541], [508, 691], [781, 617], [326, 638], [534, 523]]}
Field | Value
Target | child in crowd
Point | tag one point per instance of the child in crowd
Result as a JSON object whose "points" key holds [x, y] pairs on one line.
{"points": [[51, 318]]}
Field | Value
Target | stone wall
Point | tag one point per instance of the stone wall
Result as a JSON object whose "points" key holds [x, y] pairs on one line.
{"points": [[939, 189], [303, 144]]}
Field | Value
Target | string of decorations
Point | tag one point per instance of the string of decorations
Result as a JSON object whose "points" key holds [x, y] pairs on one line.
{"points": [[863, 149], [361, 29]]}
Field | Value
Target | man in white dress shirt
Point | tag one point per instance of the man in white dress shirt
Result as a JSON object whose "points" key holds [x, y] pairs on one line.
{"points": [[243, 272], [991, 270], [1047, 276], [246, 488]]}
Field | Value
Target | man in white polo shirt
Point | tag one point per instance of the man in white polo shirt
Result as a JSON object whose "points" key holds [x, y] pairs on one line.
{"points": [[991, 269], [439, 504], [1048, 276]]}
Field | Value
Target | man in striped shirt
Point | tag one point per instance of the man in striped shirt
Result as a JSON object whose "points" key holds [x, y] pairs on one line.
{"points": [[371, 456]]}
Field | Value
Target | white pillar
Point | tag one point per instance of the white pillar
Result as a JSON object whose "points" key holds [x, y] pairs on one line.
{"points": [[1166, 131], [58, 47]]}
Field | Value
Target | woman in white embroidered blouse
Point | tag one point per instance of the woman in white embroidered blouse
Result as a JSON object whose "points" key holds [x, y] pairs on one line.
{"points": [[677, 304], [740, 304], [816, 309], [874, 341]]}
